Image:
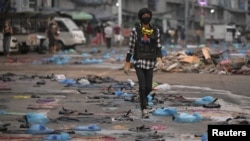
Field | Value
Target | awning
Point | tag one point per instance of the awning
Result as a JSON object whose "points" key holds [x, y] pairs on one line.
{"points": [[79, 15]]}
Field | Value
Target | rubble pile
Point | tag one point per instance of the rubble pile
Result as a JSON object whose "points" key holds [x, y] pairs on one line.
{"points": [[207, 60]]}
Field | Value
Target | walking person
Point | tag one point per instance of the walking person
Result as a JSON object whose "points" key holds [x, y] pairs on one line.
{"points": [[145, 47], [89, 32], [117, 35], [108, 31], [198, 36], [52, 34], [212, 34], [7, 32]]}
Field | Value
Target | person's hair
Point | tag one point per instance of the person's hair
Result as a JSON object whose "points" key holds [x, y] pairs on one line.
{"points": [[144, 11]]}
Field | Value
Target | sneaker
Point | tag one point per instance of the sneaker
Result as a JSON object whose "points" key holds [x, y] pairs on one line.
{"points": [[145, 113]]}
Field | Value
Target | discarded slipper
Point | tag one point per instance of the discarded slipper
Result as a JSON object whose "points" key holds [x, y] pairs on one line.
{"points": [[85, 113], [68, 119], [65, 111], [150, 137], [124, 117], [142, 128], [88, 128], [25, 125], [45, 100], [35, 96], [41, 82], [3, 127], [212, 105]]}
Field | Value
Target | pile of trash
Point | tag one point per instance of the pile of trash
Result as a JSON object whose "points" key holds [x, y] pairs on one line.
{"points": [[208, 60]]}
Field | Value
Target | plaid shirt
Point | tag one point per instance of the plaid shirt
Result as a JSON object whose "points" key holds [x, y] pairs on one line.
{"points": [[141, 63]]}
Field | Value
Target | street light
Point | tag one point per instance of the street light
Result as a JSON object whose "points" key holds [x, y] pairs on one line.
{"points": [[212, 11]]}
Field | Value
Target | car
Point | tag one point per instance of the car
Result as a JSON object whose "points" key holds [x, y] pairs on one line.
{"points": [[14, 47]]}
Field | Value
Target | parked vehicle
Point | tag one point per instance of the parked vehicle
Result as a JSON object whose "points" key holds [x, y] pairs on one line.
{"points": [[29, 30], [70, 34], [220, 32], [14, 48]]}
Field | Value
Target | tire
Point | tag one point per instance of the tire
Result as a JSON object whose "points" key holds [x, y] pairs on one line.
{"points": [[24, 48], [42, 49], [59, 46]]}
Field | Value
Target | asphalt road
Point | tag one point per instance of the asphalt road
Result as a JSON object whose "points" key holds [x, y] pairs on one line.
{"points": [[231, 90]]}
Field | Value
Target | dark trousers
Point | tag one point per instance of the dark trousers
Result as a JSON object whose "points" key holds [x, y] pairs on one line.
{"points": [[145, 78], [6, 44], [198, 40], [108, 42]]}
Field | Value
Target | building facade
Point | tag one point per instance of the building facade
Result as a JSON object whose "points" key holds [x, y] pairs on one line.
{"points": [[199, 11], [169, 13]]}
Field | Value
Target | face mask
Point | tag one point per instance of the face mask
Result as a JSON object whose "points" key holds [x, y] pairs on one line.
{"points": [[146, 20]]}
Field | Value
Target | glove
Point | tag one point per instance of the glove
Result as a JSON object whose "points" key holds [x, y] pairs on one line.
{"points": [[159, 63], [126, 67]]}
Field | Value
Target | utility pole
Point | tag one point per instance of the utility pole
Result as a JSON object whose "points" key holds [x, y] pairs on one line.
{"points": [[186, 18], [120, 13]]}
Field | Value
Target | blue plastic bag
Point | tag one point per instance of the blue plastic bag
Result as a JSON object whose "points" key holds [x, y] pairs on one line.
{"points": [[39, 129], [188, 118], [58, 137], [164, 112], [204, 100], [88, 128], [37, 118], [204, 137]]}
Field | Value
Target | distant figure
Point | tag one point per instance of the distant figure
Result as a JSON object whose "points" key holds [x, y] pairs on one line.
{"points": [[198, 36], [89, 32], [117, 35], [7, 32], [108, 31], [52, 34], [182, 36], [99, 37], [247, 35], [167, 37], [211, 34]]}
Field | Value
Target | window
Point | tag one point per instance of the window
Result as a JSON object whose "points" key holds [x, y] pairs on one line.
{"points": [[62, 26], [152, 5], [33, 4], [220, 14], [175, 8]]}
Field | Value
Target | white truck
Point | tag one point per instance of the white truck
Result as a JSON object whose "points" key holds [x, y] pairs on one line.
{"points": [[29, 31], [13, 44], [220, 32]]}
